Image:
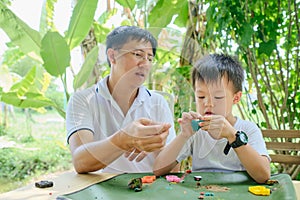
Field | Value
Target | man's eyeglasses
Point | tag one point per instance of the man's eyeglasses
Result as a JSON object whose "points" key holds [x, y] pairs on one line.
{"points": [[139, 55]]}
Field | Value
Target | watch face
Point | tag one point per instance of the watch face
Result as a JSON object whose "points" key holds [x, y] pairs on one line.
{"points": [[243, 137]]}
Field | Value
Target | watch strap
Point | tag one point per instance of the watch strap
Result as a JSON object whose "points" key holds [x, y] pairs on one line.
{"points": [[227, 148]]}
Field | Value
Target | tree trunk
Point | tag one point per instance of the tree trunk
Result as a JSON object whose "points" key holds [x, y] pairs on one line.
{"points": [[86, 46]]}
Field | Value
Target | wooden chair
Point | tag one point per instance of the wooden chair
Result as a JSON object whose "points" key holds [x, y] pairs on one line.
{"points": [[284, 149]]}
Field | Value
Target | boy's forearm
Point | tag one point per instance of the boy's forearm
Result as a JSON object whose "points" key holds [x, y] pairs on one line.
{"points": [[257, 166], [166, 159], [164, 170]]}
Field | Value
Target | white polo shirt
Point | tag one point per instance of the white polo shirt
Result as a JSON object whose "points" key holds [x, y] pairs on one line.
{"points": [[207, 153], [95, 109]]}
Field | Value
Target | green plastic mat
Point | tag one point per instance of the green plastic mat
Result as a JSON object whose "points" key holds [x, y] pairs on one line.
{"points": [[220, 185]]}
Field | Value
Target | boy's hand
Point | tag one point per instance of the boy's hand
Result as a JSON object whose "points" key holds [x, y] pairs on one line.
{"points": [[185, 123], [217, 126]]}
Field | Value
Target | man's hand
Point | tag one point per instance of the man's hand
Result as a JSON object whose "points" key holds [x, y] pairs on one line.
{"points": [[142, 135], [135, 155]]}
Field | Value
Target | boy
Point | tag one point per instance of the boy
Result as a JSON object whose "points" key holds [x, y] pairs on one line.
{"points": [[224, 142], [116, 125]]}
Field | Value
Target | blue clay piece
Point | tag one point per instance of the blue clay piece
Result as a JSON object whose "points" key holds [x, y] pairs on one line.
{"points": [[195, 124]]}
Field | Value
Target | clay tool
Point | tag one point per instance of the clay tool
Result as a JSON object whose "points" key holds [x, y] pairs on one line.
{"points": [[187, 172]]}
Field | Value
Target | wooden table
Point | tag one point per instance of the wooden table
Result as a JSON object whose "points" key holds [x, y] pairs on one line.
{"points": [[69, 185], [218, 185]]}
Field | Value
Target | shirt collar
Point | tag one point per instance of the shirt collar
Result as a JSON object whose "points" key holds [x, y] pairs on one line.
{"points": [[102, 89]]}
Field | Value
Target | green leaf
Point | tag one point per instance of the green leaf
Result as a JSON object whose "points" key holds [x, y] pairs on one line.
{"points": [[141, 4], [30, 100], [168, 9], [210, 12], [6, 78], [263, 125], [267, 47], [47, 16], [59, 109], [86, 68], [127, 3], [55, 53], [246, 35], [183, 15], [22, 87], [28, 39], [184, 71], [105, 16], [1, 91], [210, 15], [81, 21], [100, 30]]}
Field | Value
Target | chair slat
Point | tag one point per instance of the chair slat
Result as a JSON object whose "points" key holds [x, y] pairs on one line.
{"points": [[275, 141], [281, 133], [286, 159], [283, 146]]}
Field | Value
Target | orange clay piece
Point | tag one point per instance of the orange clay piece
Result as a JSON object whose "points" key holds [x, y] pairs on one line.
{"points": [[148, 179], [260, 190]]}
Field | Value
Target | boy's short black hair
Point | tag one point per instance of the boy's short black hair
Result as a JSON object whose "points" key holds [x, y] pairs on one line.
{"points": [[213, 67], [123, 34]]}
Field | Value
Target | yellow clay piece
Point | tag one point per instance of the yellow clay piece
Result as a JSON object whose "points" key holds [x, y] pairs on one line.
{"points": [[259, 190]]}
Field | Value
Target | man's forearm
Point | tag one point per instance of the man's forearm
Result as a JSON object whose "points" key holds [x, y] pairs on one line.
{"points": [[95, 156]]}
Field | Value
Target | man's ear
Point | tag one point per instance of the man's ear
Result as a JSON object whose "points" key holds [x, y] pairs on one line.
{"points": [[111, 55], [237, 97]]}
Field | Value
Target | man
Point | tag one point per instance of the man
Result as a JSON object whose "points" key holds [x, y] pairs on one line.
{"points": [[117, 125]]}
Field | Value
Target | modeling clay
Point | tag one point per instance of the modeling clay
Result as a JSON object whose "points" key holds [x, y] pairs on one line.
{"points": [[209, 194], [197, 178], [271, 182], [259, 190], [135, 184], [148, 179], [44, 184], [173, 178], [195, 124]]}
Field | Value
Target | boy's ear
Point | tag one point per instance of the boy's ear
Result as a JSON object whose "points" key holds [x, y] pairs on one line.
{"points": [[237, 97]]}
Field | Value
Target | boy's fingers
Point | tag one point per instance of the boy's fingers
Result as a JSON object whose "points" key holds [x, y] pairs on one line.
{"points": [[195, 115], [207, 117]]}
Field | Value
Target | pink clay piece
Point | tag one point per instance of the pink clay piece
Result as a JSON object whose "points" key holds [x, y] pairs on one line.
{"points": [[173, 178]]}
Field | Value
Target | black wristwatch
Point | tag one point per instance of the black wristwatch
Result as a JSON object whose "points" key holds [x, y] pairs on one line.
{"points": [[241, 139]]}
